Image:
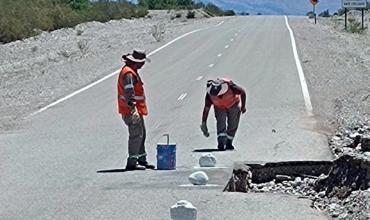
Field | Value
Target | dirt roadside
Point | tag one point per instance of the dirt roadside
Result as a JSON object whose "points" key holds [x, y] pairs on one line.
{"points": [[337, 67]]}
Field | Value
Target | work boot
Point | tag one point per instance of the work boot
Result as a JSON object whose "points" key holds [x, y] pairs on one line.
{"points": [[132, 165], [147, 165], [229, 145], [221, 143], [221, 146]]}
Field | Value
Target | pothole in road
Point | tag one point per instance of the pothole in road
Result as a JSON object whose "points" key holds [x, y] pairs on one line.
{"points": [[339, 187]]}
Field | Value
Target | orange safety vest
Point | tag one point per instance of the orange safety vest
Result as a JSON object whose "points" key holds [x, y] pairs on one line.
{"points": [[227, 100], [123, 108]]}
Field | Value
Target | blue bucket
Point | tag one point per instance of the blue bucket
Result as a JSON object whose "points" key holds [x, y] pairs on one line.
{"points": [[166, 156]]}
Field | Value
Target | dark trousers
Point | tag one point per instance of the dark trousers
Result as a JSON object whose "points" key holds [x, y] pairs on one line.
{"points": [[227, 123], [136, 141]]}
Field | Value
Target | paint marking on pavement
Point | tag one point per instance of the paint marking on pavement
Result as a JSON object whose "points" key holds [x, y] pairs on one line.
{"points": [[232, 39], [209, 168], [219, 55], [199, 78], [227, 46], [236, 34], [211, 65], [157, 125], [219, 24], [110, 75], [306, 94], [182, 97], [199, 186]]}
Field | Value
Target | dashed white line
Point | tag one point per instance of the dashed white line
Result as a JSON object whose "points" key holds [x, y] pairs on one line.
{"points": [[219, 55], [220, 23], [182, 97], [232, 39], [199, 78], [111, 74], [227, 46], [211, 65], [306, 94], [236, 34]]}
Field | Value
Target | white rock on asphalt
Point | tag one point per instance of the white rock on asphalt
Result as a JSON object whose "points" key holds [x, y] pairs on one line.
{"points": [[198, 178], [207, 160], [183, 210]]}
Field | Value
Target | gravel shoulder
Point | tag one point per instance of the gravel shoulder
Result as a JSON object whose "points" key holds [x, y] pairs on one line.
{"points": [[337, 67], [39, 70]]}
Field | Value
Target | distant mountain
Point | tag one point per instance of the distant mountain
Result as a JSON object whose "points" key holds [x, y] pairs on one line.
{"points": [[276, 7]]}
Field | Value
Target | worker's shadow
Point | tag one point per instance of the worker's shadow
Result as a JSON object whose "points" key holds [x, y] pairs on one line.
{"points": [[206, 150], [118, 170]]}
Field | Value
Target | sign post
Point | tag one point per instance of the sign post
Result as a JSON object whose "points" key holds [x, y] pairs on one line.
{"points": [[314, 3], [354, 4]]}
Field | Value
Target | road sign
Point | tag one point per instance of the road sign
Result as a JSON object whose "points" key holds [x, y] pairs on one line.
{"points": [[354, 3], [314, 2]]}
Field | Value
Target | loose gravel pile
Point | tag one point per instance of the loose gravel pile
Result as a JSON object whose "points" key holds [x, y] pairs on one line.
{"points": [[36, 71]]}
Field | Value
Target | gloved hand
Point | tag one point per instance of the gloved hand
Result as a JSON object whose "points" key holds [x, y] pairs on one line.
{"points": [[135, 116], [204, 129]]}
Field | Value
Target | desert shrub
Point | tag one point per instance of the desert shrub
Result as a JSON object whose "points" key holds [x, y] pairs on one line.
{"points": [[190, 15], [20, 19], [158, 32], [354, 26]]}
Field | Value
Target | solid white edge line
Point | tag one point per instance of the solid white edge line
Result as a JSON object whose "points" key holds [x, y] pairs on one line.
{"points": [[306, 94], [111, 75]]}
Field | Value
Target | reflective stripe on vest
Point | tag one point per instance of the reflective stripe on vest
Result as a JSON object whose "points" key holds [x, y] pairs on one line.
{"points": [[136, 98]]}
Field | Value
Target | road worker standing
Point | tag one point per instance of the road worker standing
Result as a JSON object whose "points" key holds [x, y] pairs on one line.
{"points": [[132, 106], [225, 96]]}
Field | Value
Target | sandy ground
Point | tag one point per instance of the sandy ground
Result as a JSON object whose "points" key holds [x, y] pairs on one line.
{"points": [[337, 67], [36, 71]]}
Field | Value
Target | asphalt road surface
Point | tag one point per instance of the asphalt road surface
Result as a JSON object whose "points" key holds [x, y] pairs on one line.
{"points": [[49, 167]]}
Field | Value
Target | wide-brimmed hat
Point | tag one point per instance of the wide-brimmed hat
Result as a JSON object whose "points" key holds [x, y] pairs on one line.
{"points": [[217, 87], [137, 56]]}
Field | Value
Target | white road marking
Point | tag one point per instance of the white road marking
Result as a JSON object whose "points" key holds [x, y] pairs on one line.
{"points": [[219, 55], [209, 168], [157, 125], [182, 97], [219, 24], [211, 65], [227, 46], [199, 78], [199, 186], [232, 39], [236, 34], [306, 94], [111, 74]]}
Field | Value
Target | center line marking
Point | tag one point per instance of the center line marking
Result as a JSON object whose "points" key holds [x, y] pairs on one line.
{"points": [[211, 65], [232, 39], [199, 78], [227, 46], [219, 55], [182, 97]]}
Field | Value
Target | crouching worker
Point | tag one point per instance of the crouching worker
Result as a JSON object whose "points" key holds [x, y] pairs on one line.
{"points": [[132, 106], [225, 96]]}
